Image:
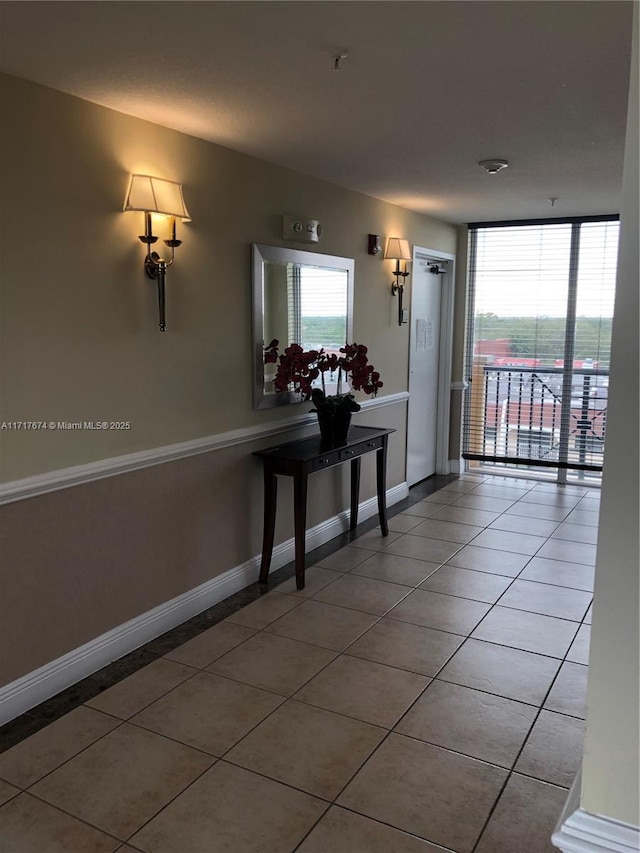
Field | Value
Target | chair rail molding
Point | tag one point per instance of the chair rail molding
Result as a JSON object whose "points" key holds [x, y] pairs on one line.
{"points": [[53, 481]]}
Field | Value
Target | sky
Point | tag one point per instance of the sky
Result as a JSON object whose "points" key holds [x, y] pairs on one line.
{"points": [[523, 272]]}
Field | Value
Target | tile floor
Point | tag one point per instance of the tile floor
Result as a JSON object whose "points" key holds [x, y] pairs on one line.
{"points": [[424, 692]]}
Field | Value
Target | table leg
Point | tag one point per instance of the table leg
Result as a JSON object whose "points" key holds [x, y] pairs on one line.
{"points": [[300, 523], [355, 492], [381, 472], [270, 495]]}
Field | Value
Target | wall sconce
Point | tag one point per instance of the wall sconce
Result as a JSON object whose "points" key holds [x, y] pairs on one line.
{"points": [[398, 250], [155, 195]]}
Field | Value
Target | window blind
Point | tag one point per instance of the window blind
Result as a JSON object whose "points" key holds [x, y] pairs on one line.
{"points": [[317, 307], [538, 342]]}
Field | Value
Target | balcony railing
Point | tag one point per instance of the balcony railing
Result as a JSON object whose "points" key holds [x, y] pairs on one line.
{"points": [[516, 415]]}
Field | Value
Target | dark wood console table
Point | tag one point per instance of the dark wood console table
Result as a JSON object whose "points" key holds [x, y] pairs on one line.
{"points": [[300, 458]]}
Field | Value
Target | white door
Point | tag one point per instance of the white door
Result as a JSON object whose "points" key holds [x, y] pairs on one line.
{"points": [[426, 371]]}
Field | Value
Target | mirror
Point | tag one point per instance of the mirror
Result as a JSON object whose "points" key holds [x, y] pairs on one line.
{"points": [[298, 297]]}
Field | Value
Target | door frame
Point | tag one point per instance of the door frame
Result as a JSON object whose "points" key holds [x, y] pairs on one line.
{"points": [[447, 281]]}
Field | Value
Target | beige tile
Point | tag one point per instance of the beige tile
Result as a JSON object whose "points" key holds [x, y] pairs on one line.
{"points": [[365, 690], [344, 559], [549, 513], [478, 724], [363, 593], [489, 560], [341, 831], [459, 487], [546, 599], [577, 533], [429, 506], [374, 540], [569, 692], [579, 651], [570, 552], [7, 792], [590, 501], [122, 780], [530, 632], [506, 672], [583, 516], [309, 748], [315, 579], [504, 540], [273, 663], [211, 644], [479, 586], [550, 499], [406, 646], [134, 693], [587, 618], [442, 497], [390, 567], [28, 825], [430, 792], [33, 758], [323, 625], [524, 818], [522, 524], [442, 612], [491, 490], [553, 751], [556, 489], [402, 523], [230, 810], [464, 515], [264, 611], [488, 504], [421, 548], [450, 531], [208, 712], [559, 573]]}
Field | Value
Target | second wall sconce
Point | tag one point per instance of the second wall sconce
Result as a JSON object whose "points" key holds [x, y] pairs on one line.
{"points": [[398, 250], [157, 195]]}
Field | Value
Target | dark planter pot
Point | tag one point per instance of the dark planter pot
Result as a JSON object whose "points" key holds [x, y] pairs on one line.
{"points": [[334, 427]]}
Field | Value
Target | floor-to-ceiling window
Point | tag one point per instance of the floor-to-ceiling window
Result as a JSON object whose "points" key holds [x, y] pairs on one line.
{"points": [[540, 312]]}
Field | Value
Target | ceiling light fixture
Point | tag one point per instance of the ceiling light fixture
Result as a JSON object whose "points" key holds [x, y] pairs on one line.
{"points": [[492, 167]]}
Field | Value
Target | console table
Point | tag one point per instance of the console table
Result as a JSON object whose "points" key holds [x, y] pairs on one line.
{"points": [[300, 458]]}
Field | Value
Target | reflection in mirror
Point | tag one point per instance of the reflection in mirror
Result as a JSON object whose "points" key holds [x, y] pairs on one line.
{"points": [[298, 297]]}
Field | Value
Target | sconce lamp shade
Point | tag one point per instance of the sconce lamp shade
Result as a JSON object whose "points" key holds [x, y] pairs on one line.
{"points": [[397, 249], [156, 195]]}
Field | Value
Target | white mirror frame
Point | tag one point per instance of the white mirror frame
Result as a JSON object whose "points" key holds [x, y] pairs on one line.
{"points": [[260, 254]]}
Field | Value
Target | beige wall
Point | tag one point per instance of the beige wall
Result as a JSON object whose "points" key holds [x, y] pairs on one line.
{"points": [[610, 773], [80, 338], [80, 342]]}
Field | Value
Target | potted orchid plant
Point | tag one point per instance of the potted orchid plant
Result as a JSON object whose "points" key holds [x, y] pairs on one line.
{"points": [[299, 371]]}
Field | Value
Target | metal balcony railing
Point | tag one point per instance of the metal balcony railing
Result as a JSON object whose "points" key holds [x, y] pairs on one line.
{"points": [[516, 415]]}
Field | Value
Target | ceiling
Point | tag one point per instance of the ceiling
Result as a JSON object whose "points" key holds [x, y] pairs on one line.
{"points": [[427, 89]]}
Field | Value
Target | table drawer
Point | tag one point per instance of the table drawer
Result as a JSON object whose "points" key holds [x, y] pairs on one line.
{"points": [[351, 453], [325, 461]]}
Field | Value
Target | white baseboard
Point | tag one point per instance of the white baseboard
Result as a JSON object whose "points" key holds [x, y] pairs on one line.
{"points": [[579, 831], [456, 466], [50, 679]]}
